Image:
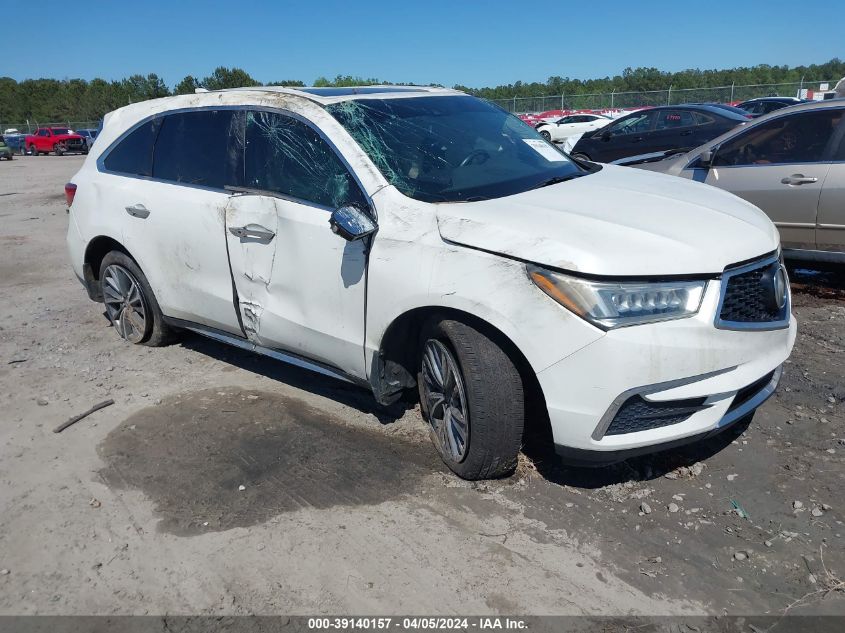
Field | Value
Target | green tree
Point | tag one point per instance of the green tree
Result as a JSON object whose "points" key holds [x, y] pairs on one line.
{"points": [[187, 86], [223, 77]]}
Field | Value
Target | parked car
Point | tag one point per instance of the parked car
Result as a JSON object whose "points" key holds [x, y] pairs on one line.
{"points": [[654, 130], [558, 131], [791, 164], [406, 238], [15, 140], [5, 151], [765, 105], [89, 134], [59, 140]]}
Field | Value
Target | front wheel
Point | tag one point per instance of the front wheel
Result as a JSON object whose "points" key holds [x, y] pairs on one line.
{"points": [[546, 135], [33, 151], [581, 157], [471, 395], [58, 149]]}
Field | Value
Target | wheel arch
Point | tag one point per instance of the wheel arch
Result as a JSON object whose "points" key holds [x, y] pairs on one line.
{"points": [[395, 365], [95, 251]]}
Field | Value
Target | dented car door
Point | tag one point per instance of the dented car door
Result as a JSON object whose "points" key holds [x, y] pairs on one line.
{"points": [[300, 287]]}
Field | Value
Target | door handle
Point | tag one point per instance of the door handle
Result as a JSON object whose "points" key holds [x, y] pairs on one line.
{"points": [[637, 139], [687, 133], [798, 179], [138, 211], [252, 231]]}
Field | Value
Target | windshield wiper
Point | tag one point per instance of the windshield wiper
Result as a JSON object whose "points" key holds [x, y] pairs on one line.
{"points": [[557, 179]]}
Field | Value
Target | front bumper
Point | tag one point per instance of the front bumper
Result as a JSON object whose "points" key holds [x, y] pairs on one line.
{"points": [[682, 362]]}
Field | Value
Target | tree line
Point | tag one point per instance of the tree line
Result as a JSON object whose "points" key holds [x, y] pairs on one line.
{"points": [[57, 100]]}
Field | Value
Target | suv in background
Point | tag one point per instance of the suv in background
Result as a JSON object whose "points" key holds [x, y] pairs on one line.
{"points": [[59, 140], [405, 238], [89, 134]]}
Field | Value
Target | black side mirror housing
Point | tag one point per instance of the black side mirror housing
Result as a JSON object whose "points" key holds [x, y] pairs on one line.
{"points": [[351, 223]]}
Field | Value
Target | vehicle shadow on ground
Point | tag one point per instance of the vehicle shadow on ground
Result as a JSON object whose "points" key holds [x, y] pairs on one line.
{"points": [[539, 448], [825, 281], [345, 393]]}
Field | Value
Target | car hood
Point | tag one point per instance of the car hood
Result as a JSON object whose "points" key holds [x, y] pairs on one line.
{"points": [[616, 222]]}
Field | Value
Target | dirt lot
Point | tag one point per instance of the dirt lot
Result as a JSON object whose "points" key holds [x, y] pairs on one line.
{"points": [[345, 508]]}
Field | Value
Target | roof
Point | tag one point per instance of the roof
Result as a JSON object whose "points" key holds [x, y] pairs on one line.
{"points": [[779, 99], [326, 95]]}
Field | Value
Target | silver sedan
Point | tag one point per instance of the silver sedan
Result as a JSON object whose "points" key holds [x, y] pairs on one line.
{"points": [[790, 163]]}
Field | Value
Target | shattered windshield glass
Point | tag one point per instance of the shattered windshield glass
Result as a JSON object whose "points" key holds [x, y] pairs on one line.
{"points": [[452, 148]]}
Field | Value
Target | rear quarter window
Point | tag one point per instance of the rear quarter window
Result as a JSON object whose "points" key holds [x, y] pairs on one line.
{"points": [[134, 154]]}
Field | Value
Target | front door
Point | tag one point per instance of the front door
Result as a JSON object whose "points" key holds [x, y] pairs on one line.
{"points": [[300, 287], [780, 166]]}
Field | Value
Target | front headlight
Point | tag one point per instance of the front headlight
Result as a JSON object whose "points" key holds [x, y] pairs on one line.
{"points": [[612, 304]]}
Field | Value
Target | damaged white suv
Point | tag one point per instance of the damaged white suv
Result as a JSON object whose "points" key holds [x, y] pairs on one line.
{"points": [[402, 237]]}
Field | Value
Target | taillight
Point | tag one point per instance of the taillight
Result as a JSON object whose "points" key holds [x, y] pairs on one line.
{"points": [[70, 192]]}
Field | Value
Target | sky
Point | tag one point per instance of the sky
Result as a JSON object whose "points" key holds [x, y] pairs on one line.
{"points": [[465, 42]]}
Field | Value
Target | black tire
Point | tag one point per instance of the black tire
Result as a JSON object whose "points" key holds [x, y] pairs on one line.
{"points": [[33, 151], [58, 149], [494, 396], [581, 157], [156, 332], [546, 135]]}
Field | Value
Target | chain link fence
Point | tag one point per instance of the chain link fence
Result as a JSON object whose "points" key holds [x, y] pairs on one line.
{"points": [[670, 96]]}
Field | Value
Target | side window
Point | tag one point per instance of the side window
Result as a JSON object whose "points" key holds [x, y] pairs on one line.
{"points": [[286, 156], [702, 119], [669, 119], [635, 124], [134, 154], [195, 148], [797, 138], [43, 132]]}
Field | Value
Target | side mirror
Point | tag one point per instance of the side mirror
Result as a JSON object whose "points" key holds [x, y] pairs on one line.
{"points": [[605, 136], [351, 223], [705, 159]]}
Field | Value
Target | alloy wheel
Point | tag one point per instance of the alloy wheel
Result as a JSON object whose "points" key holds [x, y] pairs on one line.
{"points": [[445, 399], [125, 303]]}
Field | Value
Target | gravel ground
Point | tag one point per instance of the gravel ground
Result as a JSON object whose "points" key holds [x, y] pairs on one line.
{"points": [[224, 483]]}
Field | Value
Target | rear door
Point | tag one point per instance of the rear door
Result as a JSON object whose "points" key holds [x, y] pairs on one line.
{"points": [[173, 210], [780, 166], [671, 129], [300, 287]]}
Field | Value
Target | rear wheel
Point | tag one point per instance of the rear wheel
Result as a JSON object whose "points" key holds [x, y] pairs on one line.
{"points": [[471, 395], [130, 303]]}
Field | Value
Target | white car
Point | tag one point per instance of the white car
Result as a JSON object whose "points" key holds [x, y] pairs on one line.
{"points": [[560, 130], [408, 238]]}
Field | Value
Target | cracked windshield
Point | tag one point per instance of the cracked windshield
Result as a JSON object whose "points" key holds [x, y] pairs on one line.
{"points": [[452, 149]]}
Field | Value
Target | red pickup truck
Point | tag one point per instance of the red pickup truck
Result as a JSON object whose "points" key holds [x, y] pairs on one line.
{"points": [[55, 139]]}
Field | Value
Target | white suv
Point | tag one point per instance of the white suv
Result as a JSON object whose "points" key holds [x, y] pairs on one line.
{"points": [[402, 237]]}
